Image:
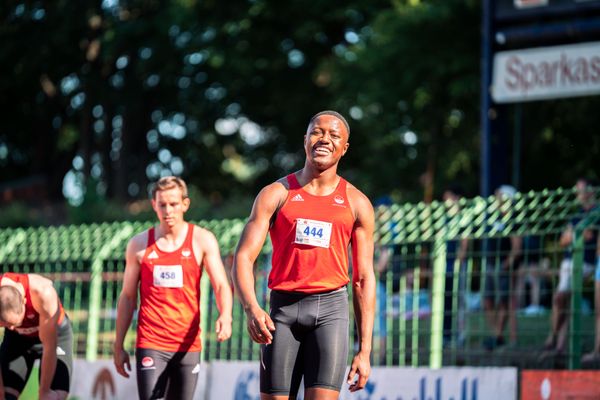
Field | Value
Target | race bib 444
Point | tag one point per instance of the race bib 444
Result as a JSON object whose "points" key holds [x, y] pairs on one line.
{"points": [[313, 233]]}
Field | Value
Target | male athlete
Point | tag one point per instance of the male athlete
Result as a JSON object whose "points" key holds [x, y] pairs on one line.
{"points": [[166, 262], [35, 327], [312, 215]]}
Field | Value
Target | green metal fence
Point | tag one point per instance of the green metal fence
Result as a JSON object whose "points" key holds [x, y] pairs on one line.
{"points": [[430, 305]]}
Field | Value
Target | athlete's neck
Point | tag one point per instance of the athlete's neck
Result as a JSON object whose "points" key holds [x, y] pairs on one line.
{"points": [[171, 236], [318, 183]]}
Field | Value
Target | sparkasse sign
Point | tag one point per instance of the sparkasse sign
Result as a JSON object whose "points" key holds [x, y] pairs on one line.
{"points": [[546, 73]]}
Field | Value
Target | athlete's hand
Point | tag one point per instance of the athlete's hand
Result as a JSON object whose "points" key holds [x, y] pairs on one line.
{"points": [[361, 366], [121, 360], [223, 328], [260, 325]]}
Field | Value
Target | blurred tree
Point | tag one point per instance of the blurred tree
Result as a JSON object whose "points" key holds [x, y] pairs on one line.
{"points": [[410, 81], [123, 92], [109, 95]]}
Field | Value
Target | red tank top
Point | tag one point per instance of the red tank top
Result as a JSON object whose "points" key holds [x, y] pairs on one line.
{"points": [[31, 321], [310, 238], [169, 314]]}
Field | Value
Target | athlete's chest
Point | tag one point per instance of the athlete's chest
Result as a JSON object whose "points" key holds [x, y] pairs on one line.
{"points": [[315, 214], [169, 270]]}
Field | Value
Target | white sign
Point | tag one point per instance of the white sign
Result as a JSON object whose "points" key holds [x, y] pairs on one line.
{"points": [[530, 3], [546, 73], [442, 384], [240, 381]]}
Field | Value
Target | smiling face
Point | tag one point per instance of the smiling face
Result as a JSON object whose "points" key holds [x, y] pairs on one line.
{"points": [[170, 206], [326, 141]]}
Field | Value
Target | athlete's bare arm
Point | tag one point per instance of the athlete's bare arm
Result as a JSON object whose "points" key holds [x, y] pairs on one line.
{"points": [[253, 238], [363, 285], [128, 300], [45, 301], [218, 278]]}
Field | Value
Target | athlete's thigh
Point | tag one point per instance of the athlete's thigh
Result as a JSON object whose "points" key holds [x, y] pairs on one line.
{"points": [[64, 358], [151, 373], [325, 349], [15, 360], [183, 375], [280, 366]]}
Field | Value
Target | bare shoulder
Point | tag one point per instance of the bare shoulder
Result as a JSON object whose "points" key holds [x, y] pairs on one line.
{"points": [[139, 241], [37, 282], [203, 235], [270, 199], [41, 286], [359, 202], [205, 245], [276, 190]]}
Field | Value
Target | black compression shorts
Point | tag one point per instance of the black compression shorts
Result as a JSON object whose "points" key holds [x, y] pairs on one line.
{"points": [[165, 374], [18, 353], [310, 341]]}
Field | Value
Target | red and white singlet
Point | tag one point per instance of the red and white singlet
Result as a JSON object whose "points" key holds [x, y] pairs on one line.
{"points": [[310, 238], [31, 322], [169, 313]]}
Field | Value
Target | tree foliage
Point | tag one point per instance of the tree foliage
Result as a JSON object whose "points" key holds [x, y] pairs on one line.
{"points": [[102, 97]]}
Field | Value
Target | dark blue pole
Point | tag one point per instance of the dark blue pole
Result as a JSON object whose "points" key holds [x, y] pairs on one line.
{"points": [[486, 101]]}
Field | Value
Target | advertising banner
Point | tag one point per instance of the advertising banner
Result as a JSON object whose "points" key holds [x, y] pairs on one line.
{"points": [[240, 381], [546, 73], [560, 385]]}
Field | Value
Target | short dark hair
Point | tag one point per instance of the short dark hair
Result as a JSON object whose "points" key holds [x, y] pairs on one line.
{"points": [[332, 113], [11, 301]]}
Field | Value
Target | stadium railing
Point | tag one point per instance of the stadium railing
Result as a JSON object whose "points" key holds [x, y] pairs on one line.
{"points": [[430, 306]]}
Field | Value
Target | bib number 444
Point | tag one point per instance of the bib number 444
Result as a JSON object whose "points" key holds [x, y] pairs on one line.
{"points": [[313, 233]]}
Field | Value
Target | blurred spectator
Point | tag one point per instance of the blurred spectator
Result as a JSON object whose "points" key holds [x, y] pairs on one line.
{"points": [[383, 259], [531, 272], [502, 261], [555, 342], [382, 256], [594, 355], [418, 279], [456, 250]]}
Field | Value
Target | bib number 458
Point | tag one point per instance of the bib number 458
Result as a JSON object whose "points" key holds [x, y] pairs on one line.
{"points": [[167, 275]]}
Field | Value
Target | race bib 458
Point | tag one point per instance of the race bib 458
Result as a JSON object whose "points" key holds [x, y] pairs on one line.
{"points": [[170, 276]]}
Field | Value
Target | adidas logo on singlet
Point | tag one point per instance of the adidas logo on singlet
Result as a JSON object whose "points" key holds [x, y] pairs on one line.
{"points": [[153, 255], [297, 198]]}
